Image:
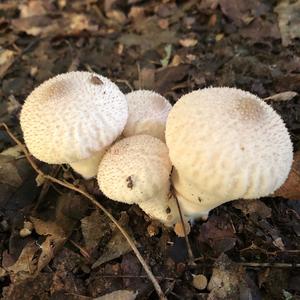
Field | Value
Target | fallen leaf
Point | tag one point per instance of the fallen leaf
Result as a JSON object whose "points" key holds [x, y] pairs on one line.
{"points": [[17, 188], [93, 228], [291, 188], [116, 247], [117, 15], [243, 12], [284, 96], [2, 272], [150, 36], [49, 248], [229, 281], [253, 206], [261, 30], [27, 263], [188, 42], [288, 20], [119, 295], [7, 58], [167, 77], [218, 233], [31, 8], [47, 227], [32, 288], [146, 78], [43, 26]]}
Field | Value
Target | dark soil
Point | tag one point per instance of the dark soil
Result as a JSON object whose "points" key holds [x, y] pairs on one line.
{"points": [[172, 47]]}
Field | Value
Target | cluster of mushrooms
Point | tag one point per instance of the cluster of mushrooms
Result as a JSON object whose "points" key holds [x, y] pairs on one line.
{"points": [[213, 146]]}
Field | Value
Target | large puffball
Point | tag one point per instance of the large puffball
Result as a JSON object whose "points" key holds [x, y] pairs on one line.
{"points": [[225, 144], [72, 117], [147, 114]]}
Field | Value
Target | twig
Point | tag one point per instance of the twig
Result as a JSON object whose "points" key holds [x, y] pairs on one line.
{"points": [[188, 245], [83, 252], [269, 265], [97, 204], [137, 276], [125, 82]]}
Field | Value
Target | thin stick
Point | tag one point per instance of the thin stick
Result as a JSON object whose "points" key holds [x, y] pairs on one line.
{"points": [[269, 265], [188, 245], [97, 204]]}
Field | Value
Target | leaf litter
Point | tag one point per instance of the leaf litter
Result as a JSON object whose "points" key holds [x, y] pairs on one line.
{"points": [[253, 45]]}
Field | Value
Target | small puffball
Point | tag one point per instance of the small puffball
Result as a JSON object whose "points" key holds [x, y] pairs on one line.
{"points": [[147, 114], [24, 232], [179, 230], [137, 170], [199, 282]]}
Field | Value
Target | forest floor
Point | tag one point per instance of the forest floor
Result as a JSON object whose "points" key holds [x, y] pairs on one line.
{"points": [[53, 243]]}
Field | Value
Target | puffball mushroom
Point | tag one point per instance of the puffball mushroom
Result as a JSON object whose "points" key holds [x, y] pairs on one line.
{"points": [[225, 144], [71, 118], [147, 114], [137, 170]]}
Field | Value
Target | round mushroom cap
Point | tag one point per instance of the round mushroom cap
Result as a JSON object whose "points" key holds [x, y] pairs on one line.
{"points": [[147, 114], [134, 169], [72, 116], [226, 144]]}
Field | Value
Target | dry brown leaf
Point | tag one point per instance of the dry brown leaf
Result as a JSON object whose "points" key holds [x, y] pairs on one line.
{"points": [[26, 265], [32, 8], [47, 227], [253, 206], [119, 295], [147, 78], [284, 96], [228, 281], [149, 35], [291, 188], [288, 20], [7, 58], [117, 15], [49, 248], [218, 233], [188, 42], [68, 24], [9, 172], [2, 272], [94, 228], [116, 247]]}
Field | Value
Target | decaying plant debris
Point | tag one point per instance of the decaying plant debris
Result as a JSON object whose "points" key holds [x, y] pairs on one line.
{"points": [[54, 244]]}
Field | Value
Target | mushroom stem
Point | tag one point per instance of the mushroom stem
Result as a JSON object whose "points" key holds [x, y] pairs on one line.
{"points": [[162, 207], [88, 167]]}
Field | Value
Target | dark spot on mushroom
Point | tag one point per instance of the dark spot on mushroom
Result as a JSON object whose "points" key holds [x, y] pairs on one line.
{"points": [[96, 80], [199, 199], [242, 148], [168, 210], [129, 182]]}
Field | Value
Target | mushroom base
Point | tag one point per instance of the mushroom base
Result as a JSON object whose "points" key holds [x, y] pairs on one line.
{"points": [[161, 208], [191, 210], [88, 167]]}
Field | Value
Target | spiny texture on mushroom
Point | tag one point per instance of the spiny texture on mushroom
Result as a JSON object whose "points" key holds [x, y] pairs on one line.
{"points": [[137, 170], [225, 144], [147, 114], [72, 116]]}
